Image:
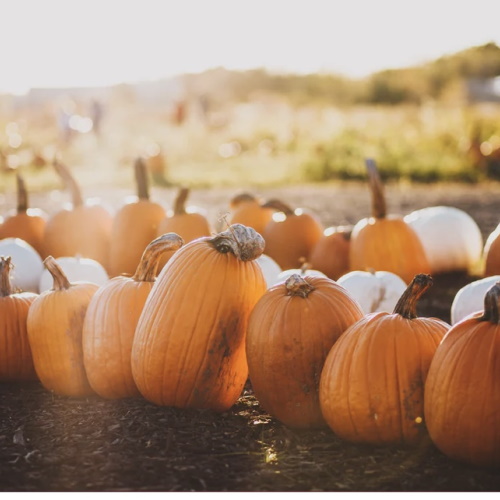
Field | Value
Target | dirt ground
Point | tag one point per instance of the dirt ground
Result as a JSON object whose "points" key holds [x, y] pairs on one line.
{"points": [[54, 443]]}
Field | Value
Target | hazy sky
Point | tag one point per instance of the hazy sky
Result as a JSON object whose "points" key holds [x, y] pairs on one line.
{"points": [[100, 42]]}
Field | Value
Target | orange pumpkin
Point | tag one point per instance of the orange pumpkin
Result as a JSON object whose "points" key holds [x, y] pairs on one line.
{"points": [[111, 319], [249, 210], [81, 229], [462, 390], [55, 323], [372, 384], [16, 362], [291, 234], [189, 345], [25, 223], [290, 332], [386, 242], [135, 225], [491, 253]]}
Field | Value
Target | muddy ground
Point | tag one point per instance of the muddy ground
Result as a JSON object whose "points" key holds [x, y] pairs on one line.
{"points": [[54, 443]]}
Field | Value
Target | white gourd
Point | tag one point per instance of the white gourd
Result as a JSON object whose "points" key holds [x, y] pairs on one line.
{"points": [[284, 275], [270, 268]]}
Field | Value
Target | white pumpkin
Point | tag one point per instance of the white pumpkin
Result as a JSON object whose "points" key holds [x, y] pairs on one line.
{"points": [[75, 269], [374, 291], [270, 268], [28, 265], [284, 275], [451, 238], [470, 298]]}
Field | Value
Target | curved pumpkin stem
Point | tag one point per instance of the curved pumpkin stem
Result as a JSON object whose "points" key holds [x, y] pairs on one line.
{"points": [[5, 268], [379, 208], [61, 281], [279, 206], [242, 241], [22, 195], [148, 265], [407, 304], [180, 201], [69, 182], [297, 285], [492, 305], [242, 198], [141, 179]]}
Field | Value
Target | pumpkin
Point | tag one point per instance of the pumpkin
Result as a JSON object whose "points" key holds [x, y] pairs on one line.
{"points": [[491, 253], [188, 223], [111, 319], [55, 323], [291, 234], [249, 210], [189, 345], [470, 298], [374, 291], [27, 264], [451, 238], [385, 242], [75, 269], [330, 255], [16, 362], [135, 225], [25, 223], [270, 268], [304, 270], [82, 228], [372, 384], [290, 332], [462, 391]]}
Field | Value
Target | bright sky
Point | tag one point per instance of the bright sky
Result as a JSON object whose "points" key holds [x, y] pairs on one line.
{"points": [[66, 43]]}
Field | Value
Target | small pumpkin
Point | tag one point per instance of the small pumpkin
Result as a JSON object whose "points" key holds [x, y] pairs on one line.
{"points": [[385, 242], [249, 210], [304, 270], [134, 226], [270, 269], [189, 345], [462, 391], [372, 384], [16, 361], [55, 323], [290, 332], [111, 319], [491, 253]]}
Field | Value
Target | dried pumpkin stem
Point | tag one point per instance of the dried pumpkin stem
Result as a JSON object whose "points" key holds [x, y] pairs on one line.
{"points": [[61, 281], [492, 305], [148, 265], [69, 182], [279, 205], [242, 241], [22, 195], [379, 208], [407, 304], [180, 201], [242, 197], [141, 179], [5, 283], [296, 285]]}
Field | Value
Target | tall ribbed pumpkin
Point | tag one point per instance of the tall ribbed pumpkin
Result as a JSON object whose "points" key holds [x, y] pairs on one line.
{"points": [[16, 362], [385, 242], [55, 323], [372, 384], [462, 390], [111, 319], [189, 346], [291, 330]]}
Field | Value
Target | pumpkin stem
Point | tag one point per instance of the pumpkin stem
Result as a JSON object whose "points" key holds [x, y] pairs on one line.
{"points": [[141, 179], [242, 197], [180, 201], [148, 265], [242, 241], [5, 268], [69, 182], [379, 208], [61, 281], [407, 304], [492, 305], [297, 285], [279, 205], [22, 195]]}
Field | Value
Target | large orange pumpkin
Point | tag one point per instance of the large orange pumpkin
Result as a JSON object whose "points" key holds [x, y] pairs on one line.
{"points": [[16, 361], [290, 332], [189, 345], [135, 225], [111, 319], [385, 242], [372, 384], [55, 323], [462, 390]]}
